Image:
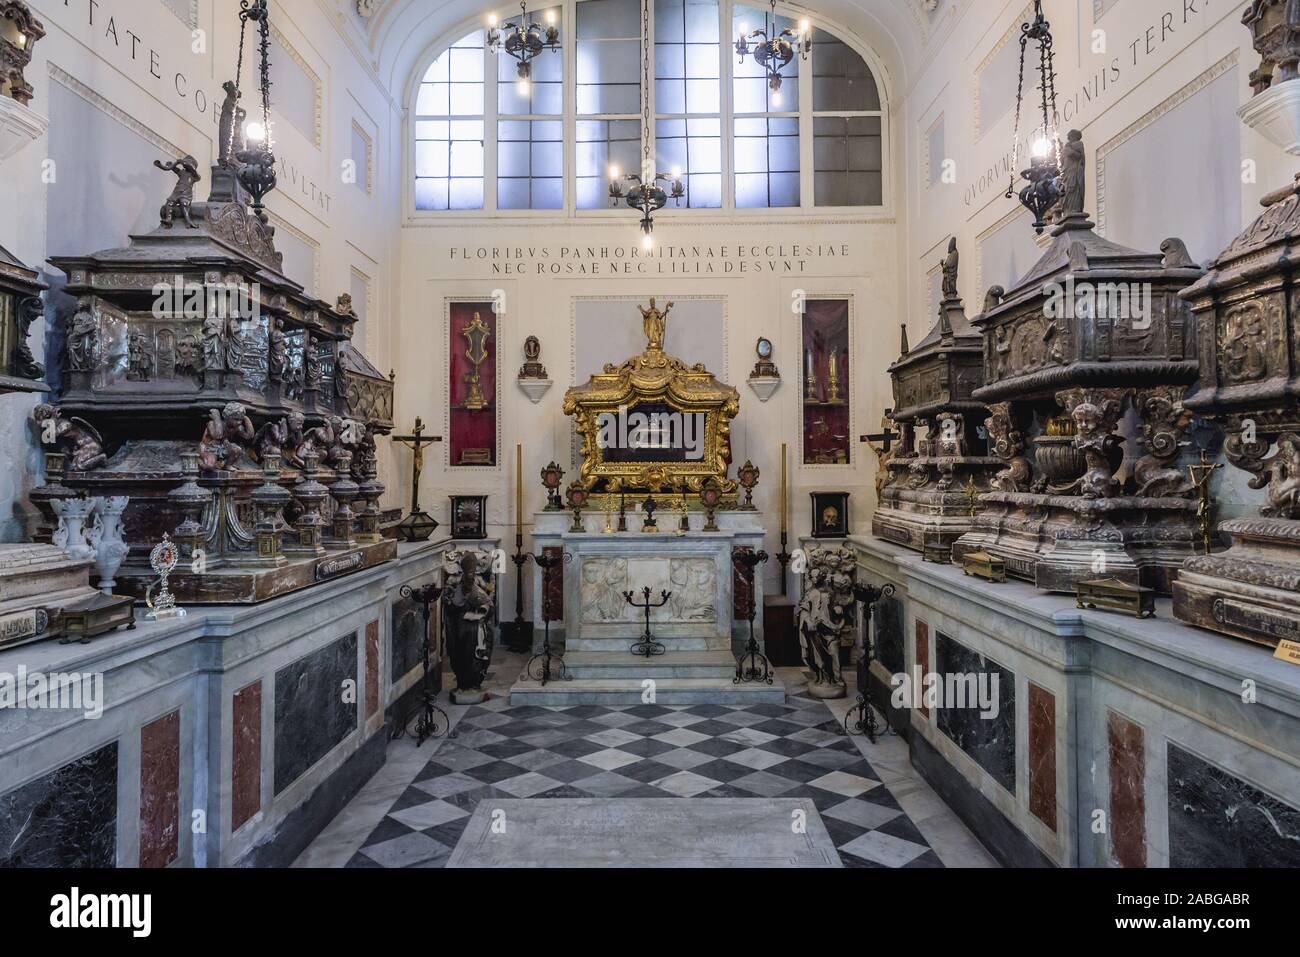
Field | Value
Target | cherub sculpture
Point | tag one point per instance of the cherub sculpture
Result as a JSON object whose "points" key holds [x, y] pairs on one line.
{"points": [[228, 433], [182, 195], [76, 437]]}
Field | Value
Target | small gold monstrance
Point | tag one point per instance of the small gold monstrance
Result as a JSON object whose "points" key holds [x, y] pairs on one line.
{"points": [[477, 334]]}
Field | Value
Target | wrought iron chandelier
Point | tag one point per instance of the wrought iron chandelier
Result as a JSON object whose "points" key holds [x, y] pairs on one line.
{"points": [[524, 41], [776, 51], [1044, 173], [646, 196], [257, 161]]}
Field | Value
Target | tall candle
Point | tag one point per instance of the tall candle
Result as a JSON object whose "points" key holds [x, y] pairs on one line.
{"points": [[783, 493], [519, 494]]}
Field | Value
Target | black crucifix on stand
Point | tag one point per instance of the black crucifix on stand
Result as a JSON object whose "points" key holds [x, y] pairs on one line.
{"points": [[419, 525], [647, 647], [887, 437], [866, 596], [753, 665]]}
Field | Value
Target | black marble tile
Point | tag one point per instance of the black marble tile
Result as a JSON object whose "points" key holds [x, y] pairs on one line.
{"points": [[407, 638], [1218, 820], [991, 742], [312, 712], [888, 619], [68, 818]]}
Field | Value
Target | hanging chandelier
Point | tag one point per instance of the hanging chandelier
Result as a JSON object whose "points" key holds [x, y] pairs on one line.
{"points": [[1044, 173], [257, 161], [776, 51], [646, 195], [524, 41]]}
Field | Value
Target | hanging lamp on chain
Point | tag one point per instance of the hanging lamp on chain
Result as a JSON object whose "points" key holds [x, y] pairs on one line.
{"points": [[256, 160], [646, 195], [524, 41], [776, 50], [1043, 193]]}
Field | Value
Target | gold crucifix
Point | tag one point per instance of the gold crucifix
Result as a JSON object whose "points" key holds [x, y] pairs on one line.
{"points": [[417, 441], [1201, 475]]}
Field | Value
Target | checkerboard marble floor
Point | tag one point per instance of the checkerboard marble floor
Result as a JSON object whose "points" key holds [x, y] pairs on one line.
{"points": [[792, 750]]}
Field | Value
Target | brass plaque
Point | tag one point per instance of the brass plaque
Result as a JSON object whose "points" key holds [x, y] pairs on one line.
{"points": [[1288, 651], [23, 626], [1270, 624]]}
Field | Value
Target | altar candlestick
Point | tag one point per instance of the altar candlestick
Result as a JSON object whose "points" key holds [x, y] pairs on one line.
{"points": [[519, 495]]}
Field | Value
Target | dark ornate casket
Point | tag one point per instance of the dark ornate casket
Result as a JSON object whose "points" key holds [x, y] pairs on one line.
{"points": [[1093, 331], [231, 407], [927, 495], [20, 305], [1250, 382]]}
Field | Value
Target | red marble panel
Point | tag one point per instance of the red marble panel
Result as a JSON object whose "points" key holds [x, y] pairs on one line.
{"points": [[160, 791], [1128, 818], [372, 669], [1042, 755], [922, 661], [742, 587], [246, 755]]}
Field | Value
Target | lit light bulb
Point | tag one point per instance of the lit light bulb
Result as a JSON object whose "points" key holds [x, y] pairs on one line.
{"points": [[776, 97], [648, 241], [550, 18], [255, 132], [805, 26], [677, 172], [744, 29], [492, 20], [521, 87], [615, 173], [1042, 147]]}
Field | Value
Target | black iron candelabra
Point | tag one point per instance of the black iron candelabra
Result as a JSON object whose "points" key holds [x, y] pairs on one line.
{"points": [[648, 647], [861, 718], [753, 666], [519, 633], [541, 664], [425, 715], [783, 558]]}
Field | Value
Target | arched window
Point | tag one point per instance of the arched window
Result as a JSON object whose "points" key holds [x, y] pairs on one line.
{"points": [[485, 142]]}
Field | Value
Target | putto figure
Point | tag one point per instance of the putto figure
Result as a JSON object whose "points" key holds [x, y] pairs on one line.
{"points": [[228, 433], [76, 437], [182, 196]]}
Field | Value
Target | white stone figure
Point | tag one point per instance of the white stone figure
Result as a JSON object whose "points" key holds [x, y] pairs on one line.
{"points": [[108, 538], [70, 535]]}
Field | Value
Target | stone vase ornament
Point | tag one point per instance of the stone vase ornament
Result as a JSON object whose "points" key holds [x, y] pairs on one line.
{"points": [[108, 537], [70, 535]]}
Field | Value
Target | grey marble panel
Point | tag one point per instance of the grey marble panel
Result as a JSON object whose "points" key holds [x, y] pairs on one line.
{"points": [[890, 621], [68, 818], [1218, 820], [990, 741], [312, 711], [407, 637]]}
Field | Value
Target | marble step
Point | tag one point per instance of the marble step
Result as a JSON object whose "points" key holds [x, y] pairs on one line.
{"points": [[672, 644], [676, 664], [618, 693]]}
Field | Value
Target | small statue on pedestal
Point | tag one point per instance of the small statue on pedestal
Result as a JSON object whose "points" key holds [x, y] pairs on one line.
{"points": [[823, 617], [182, 196], [467, 607]]}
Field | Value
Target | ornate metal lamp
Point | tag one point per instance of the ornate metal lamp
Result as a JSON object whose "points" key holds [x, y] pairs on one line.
{"points": [[524, 41], [19, 32], [20, 306], [647, 197], [257, 161], [776, 50], [1044, 190]]}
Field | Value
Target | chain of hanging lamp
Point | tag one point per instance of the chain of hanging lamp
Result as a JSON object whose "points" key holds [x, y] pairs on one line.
{"points": [[646, 196], [1043, 175]]}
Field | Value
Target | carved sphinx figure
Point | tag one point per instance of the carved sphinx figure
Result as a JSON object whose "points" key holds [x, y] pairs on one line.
{"points": [[76, 437], [182, 195], [1008, 444], [224, 440], [318, 441], [467, 601], [1096, 413], [1281, 477]]}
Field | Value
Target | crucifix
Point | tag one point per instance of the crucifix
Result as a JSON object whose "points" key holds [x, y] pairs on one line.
{"points": [[419, 525], [888, 436]]}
